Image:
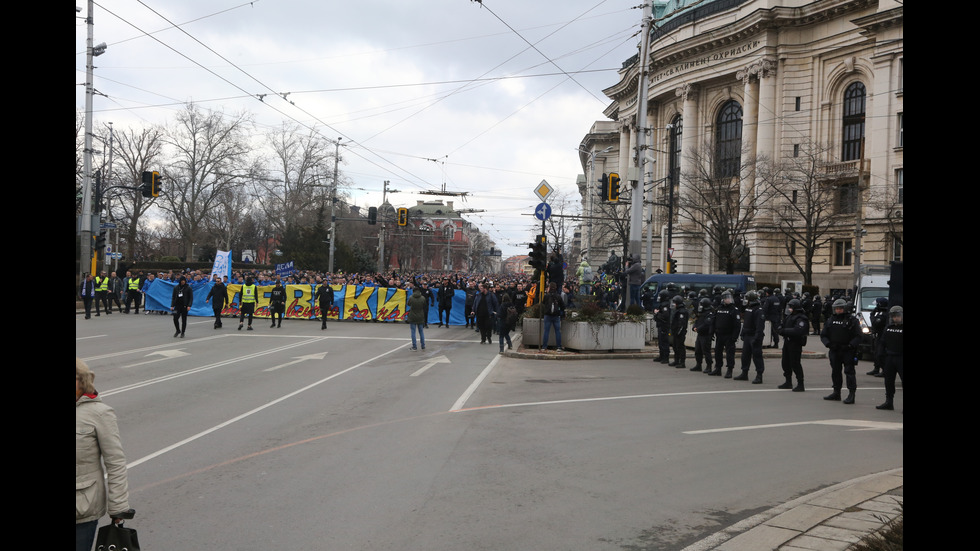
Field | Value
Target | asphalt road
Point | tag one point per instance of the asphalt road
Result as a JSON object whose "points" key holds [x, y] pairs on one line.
{"points": [[298, 438]]}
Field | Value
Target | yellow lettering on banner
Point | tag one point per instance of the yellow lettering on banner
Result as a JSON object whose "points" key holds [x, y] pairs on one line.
{"points": [[299, 301], [391, 309], [356, 305]]}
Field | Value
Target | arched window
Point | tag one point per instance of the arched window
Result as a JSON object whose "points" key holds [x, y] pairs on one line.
{"points": [[674, 162], [728, 140], [853, 122]]}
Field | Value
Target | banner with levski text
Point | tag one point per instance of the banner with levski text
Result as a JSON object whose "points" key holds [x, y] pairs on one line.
{"points": [[351, 302]]}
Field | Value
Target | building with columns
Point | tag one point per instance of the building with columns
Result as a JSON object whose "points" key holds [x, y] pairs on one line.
{"points": [[772, 141]]}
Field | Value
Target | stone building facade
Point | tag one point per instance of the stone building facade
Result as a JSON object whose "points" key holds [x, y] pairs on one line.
{"points": [[788, 112]]}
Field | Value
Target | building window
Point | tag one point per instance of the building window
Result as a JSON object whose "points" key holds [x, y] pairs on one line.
{"points": [[842, 252], [796, 150], [847, 199], [853, 122], [728, 140], [798, 101], [900, 181], [901, 130], [676, 135], [897, 249]]}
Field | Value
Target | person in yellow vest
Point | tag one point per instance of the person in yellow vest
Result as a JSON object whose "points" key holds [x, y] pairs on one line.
{"points": [[102, 293], [250, 295], [132, 284]]}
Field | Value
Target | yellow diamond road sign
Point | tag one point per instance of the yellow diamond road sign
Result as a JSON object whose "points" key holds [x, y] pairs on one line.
{"points": [[544, 190]]}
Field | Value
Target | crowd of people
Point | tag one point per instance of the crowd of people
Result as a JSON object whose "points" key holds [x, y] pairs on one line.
{"points": [[722, 318], [494, 303]]}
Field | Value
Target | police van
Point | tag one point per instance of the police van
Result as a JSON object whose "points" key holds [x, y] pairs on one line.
{"points": [[695, 282], [872, 284]]}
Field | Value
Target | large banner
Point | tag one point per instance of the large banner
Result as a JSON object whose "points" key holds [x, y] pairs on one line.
{"points": [[351, 302], [222, 264]]}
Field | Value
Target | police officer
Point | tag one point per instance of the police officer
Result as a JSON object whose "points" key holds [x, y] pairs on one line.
{"points": [[727, 325], [841, 335], [132, 284], [324, 299], [277, 303], [753, 332], [102, 293], [661, 316], [247, 303], [679, 316], [816, 313], [879, 319], [219, 292], [893, 348], [704, 327], [773, 308], [794, 331]]}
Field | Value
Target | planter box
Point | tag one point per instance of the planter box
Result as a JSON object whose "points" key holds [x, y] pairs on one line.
{"points": [[531, 332], [622, 336]]}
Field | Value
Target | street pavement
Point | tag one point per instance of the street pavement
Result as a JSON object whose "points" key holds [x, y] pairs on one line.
{"points": [[830, 519]]}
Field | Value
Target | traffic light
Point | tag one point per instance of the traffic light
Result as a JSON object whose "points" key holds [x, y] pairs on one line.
{"points": [[402, 216], [372, 215], [671, 266], [100, 241], [146, 188], [538, 253], [155, 184], [604, 187], [613, 187]]}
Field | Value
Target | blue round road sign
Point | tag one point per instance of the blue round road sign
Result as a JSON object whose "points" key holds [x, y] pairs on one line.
{"points": [[542, 211]]}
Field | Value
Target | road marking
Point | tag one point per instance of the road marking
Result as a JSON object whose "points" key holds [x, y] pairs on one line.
{"points": [[207, 367], [476, 383], [855, 424], [258, 409], [297, 360], [167, 355], [431, 362]]}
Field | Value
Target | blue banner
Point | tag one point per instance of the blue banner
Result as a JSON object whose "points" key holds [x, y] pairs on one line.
{"points": [[351, 302]]}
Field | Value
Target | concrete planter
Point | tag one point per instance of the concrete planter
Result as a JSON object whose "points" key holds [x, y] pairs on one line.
{"points": [[531, 331], [621, 336]]}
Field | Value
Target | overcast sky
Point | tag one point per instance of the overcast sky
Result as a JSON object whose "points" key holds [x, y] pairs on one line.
{"points": [[426, 93]]}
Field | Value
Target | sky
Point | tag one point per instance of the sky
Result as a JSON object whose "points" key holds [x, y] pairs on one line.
{"points": [[486, 99]]}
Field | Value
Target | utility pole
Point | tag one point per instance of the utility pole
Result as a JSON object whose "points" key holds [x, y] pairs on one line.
{"points": [[87, 260], [636, 208], [333, 206]]}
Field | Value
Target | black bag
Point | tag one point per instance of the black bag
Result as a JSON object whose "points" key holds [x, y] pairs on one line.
{"points": [[116, 537]]}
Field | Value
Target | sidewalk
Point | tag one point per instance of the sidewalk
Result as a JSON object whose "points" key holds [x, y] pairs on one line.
{"points": [[831, 519]]}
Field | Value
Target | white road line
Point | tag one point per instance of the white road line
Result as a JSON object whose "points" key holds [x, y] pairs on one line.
{"points": [[476, 383], [207, 367], [256, 410]]}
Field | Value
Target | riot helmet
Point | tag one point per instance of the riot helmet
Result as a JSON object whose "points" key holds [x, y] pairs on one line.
{"points": [[677, 300], [795, 305], [726, 298], [705, 303], [752, 297], [896, 315], [840, 304]]}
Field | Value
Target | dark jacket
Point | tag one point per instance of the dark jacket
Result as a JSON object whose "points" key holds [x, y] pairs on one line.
{"points": [[182, 298], [795, 328], [491, 303]]}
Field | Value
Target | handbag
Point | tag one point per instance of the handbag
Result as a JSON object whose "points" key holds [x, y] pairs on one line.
{"points": [[116, 537]]}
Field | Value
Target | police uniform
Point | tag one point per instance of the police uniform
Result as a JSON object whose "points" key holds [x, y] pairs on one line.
{"points": [[893, 348], [704, 327], [662, 318], [727, 325], [753, 332], [841, 335], [247, 306], [678, 330], [794, 331]]}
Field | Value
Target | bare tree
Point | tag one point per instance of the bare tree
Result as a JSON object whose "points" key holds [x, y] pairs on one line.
{"points": [[560, 226], [610, 229], [714, 201], [804, 200], [208, 153], [290, 190], [135, 150]]}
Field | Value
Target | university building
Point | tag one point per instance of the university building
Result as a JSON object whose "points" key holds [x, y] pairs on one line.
{"points": [[773, 139]]}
